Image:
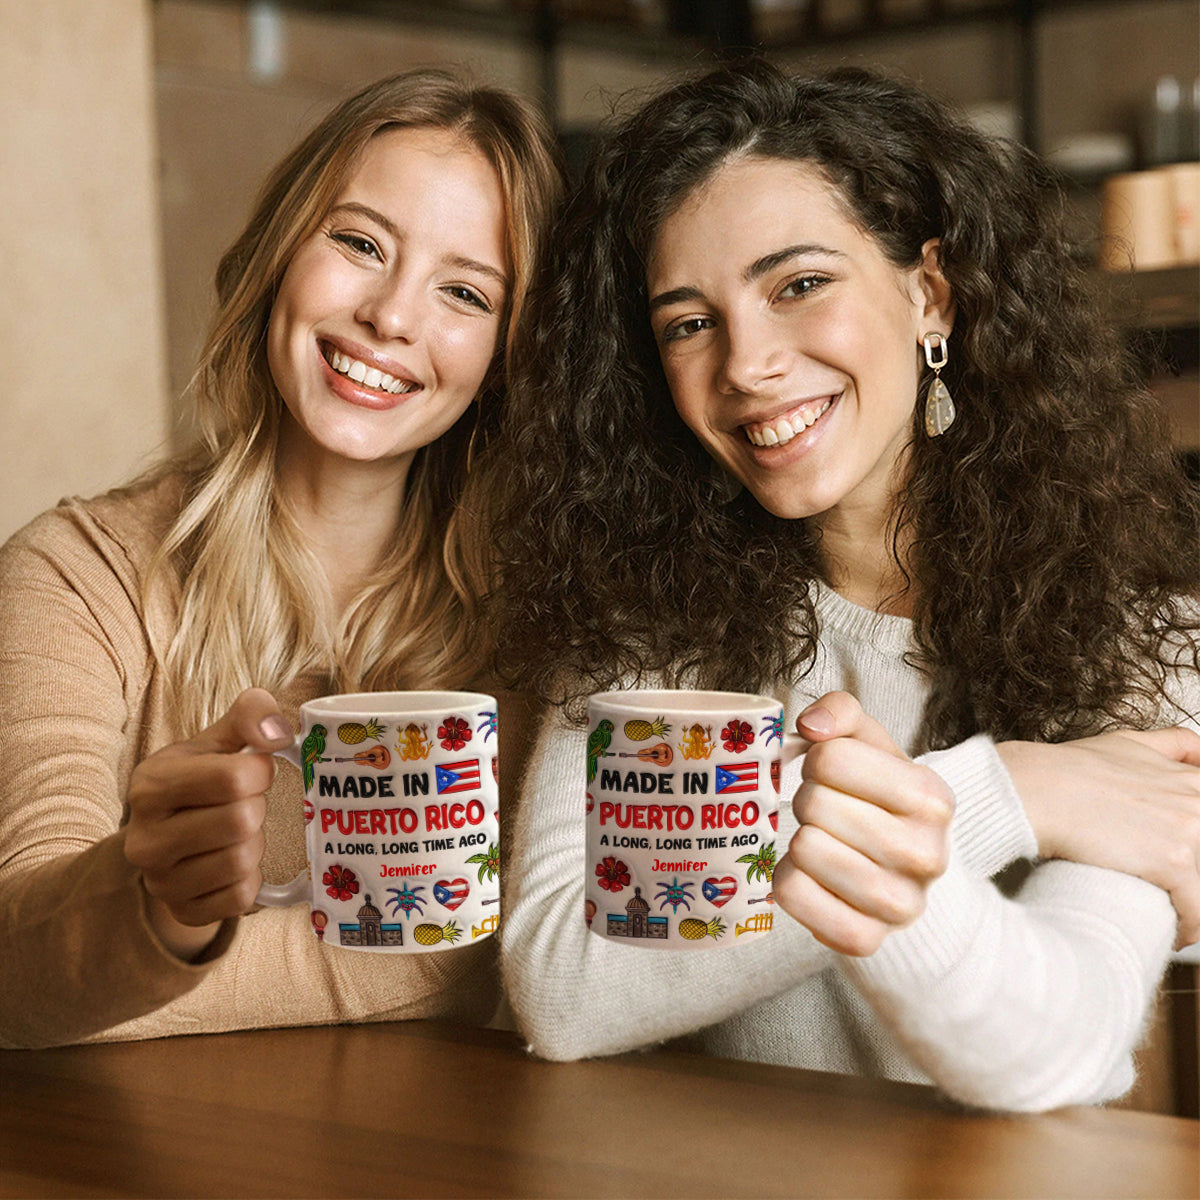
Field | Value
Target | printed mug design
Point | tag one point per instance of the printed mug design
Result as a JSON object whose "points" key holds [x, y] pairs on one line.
{"points": [[668, 847], [402, 844]]}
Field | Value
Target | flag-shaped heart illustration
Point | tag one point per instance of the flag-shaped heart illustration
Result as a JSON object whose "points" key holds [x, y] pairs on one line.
{"points": [[458, 776], [451, 892], [735, 777], [719, 891]]}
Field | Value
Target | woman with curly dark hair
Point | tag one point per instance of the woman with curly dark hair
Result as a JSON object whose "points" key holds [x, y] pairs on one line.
{"points": [[817, 404]]}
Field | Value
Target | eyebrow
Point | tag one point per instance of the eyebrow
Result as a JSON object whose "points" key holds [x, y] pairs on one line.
{"points": [[459, 261], [756, 270], [768, 262]]}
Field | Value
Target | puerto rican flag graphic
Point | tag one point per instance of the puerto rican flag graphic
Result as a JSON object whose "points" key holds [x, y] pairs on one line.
{"points": [[460, 777], [734, 777], [719, 891]]}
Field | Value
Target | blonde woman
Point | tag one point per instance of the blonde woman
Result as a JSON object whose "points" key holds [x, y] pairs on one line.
{"points": [[323, 536]]}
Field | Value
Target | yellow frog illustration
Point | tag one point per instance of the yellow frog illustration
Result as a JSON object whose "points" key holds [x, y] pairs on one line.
{"points": [[414, 742], [697, 741]]}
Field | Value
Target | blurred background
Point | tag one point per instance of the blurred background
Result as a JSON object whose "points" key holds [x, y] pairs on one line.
{"points": [[136, 133]]}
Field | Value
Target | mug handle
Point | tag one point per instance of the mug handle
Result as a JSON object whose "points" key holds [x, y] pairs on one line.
{"points": [[794, 746], [283, 895]]}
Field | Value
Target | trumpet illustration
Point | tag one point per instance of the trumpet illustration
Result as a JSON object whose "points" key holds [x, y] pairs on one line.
{"points": [[759, 923], [487, 925]]}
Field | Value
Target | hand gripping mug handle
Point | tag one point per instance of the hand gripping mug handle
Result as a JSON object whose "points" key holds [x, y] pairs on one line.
{"points": [[282, 895]]}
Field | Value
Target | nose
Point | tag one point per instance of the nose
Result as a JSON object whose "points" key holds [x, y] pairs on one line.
{"points": [[754, 355], [394, 308]]}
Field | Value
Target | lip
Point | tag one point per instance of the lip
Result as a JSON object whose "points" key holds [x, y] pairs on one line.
{"points": [[779, 456], [355, 393]]}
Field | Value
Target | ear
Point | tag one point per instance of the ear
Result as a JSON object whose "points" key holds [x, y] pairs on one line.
{"points": [[938, 315]]}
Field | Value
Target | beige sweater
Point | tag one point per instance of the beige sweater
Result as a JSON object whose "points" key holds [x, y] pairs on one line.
{"points": [[81, 703]]}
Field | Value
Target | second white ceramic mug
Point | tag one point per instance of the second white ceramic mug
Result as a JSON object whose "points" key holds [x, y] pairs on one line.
{"points": [[682, 815]]}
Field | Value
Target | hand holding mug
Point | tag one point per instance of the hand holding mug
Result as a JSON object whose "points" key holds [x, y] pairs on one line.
{"points": [[196, 811], [874, 831]]}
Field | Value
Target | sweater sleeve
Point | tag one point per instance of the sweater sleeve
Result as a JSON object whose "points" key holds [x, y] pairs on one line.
{"points": [[79, 952], [1034, 1002], [81, 961], [573, 993], [1030, 1003]]}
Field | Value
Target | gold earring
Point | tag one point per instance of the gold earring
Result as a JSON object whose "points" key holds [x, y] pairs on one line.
{"points": [[939, 407]]}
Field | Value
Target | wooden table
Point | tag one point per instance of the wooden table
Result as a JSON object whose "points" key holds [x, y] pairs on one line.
{"points": [[422, 1109]]}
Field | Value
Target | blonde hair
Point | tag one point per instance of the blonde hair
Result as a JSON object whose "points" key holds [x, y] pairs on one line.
{"points": [[254, 604]]}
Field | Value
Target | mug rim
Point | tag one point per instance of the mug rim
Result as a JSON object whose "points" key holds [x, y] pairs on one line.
{"points": [[406, 703], [682, 700]]}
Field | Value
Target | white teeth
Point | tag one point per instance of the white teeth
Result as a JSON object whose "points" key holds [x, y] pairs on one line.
{"points": [[369, 376], [781, 431]]}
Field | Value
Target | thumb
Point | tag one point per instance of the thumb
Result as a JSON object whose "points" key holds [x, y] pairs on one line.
{"points": [[253, 722], [839, 714]]}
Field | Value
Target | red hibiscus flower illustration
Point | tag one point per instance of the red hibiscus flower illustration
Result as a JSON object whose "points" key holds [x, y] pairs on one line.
{"points": [[340, 882], [613, 873], [454, 732], [737, 736]]}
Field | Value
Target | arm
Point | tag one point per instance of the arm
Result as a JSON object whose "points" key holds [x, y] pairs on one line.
{"points": [[1018, 1004], [575, 994], [80, 951]]}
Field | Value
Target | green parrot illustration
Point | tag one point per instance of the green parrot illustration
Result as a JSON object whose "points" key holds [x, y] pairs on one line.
{"points": [[597, 745], [310, 753]]}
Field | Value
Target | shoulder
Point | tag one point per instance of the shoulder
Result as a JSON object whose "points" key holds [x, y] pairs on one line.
{"points": [[117, 532], [83, 564]]}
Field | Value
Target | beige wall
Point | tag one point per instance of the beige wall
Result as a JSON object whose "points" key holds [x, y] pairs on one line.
{"points": [[81, 305]]}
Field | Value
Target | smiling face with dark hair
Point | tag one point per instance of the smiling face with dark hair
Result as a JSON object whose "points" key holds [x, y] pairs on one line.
{"points": [[789, 339]]}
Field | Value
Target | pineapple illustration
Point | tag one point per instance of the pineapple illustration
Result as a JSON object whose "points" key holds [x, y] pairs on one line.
{"points": [[354, 732], [430, 935], [639, 730], [694, 929]]}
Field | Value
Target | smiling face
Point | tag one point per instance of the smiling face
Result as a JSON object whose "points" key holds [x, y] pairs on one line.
{"points": [[789, 340], [387, 317]]}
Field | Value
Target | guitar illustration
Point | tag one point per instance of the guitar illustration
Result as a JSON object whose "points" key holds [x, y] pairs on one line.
{"points": [[661, 754], [377, 756]]}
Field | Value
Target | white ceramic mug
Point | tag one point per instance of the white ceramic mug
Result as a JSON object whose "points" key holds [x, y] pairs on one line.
{"points": [[682, 816], [401, 820]]}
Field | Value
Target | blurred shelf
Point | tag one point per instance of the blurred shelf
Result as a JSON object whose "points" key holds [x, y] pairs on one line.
{"points": [[1157, 300]]}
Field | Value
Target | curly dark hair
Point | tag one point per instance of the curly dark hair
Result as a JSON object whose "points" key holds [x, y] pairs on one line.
{"points": [[1053, 553]]}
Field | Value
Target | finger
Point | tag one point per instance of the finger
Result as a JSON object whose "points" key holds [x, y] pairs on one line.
{"points": [[1176, 743], [911, 847], [862, 770], [839, 714], [828, 918], [158, 846], [252, 720], [230, 870], [231, 901], [175, 779], [889, 897]]}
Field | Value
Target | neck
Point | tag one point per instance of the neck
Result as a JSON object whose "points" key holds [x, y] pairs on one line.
{"points": [[862, 558], [347, 512]]}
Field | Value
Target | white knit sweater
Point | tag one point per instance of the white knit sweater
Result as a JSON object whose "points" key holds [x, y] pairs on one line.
{"points": [[1024, 1004]]}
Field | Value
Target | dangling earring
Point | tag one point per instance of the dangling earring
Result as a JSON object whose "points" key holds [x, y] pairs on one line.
{"points": [[939, 407]]}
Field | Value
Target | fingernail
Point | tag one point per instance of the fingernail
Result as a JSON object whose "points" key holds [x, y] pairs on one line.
{"points": [[275, 729], [817, 719]]}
